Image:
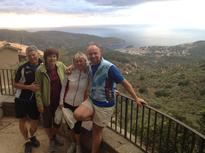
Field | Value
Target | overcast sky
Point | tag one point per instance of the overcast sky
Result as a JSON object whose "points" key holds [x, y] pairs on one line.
{"points": [[161, 14]]}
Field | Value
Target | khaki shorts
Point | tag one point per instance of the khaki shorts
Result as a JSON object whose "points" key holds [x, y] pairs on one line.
{"points": [[102, 115]]}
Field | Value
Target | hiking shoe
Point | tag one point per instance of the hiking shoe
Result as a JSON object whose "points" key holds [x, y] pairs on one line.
{"points": [[34, 142], [58, 141], [78, 149], [71, 148], [52, 146], [28, 147]]}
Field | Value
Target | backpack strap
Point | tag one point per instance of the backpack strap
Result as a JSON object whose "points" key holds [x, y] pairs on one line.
{"points": [[66, 90]]}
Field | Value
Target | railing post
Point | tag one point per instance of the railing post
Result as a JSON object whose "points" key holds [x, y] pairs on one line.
{"points": [[155, 123], [136, 124], [142, 126], [126, 112], [121, 114], [1, 88], [161, 131], [148, 127], [201, 149], [116, 112], [131, 119], [168, 134], [192, 143]]}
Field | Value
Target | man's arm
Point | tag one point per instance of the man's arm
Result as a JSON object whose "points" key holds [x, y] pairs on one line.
{"points": [[19, 85], [116, 75], [33, 87], [131, 91]]}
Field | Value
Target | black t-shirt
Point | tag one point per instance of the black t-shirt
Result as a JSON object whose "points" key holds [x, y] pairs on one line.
{"points": [[26, 75]]}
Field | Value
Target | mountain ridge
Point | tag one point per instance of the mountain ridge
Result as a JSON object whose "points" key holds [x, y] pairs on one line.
{"points": [[58, 39]]}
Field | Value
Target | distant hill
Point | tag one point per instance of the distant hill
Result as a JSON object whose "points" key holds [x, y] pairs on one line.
{"points": [[45, 39], [195, 49]]}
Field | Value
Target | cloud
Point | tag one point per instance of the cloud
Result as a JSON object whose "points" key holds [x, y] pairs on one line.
{"points": [[66, 6], [51, 6], [119, 2]]}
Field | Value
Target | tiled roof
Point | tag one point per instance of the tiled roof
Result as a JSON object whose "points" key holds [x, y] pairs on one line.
{"points": [[21, 48]]}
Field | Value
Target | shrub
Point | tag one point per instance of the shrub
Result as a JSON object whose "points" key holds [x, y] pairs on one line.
{"points": [[142, 90], [141, 78], [161, 93], [202, 92], [183, 83]]}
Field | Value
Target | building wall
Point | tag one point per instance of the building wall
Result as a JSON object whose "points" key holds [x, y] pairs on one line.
{"points": [[8, 58]]}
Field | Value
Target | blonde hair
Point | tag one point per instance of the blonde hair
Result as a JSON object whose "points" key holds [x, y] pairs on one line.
{"points": [[80, 55]]}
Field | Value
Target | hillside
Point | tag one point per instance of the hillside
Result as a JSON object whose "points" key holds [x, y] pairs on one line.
{"points": [[45, 39], [174, 85]]}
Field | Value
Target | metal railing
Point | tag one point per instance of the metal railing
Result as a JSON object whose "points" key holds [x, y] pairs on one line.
{"points": [[153, 131], [6, 82]]}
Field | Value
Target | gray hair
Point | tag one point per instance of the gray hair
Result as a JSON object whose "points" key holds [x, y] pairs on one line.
{"points": [[31, 48]]}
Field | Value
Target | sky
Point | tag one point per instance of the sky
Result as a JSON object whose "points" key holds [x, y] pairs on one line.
{"points": [[161, 14]]}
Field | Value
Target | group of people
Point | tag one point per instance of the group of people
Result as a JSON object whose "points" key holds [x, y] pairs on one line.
{"points": [[87, 88]]}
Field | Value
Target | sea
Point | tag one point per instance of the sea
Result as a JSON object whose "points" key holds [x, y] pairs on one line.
{"points": [[138, 35]]}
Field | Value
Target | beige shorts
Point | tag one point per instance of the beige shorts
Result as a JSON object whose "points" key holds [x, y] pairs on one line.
{"points": [[102, 115]]}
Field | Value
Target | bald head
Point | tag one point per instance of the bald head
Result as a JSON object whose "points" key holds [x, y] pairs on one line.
{"points": [[93, 47], [94, 54]]}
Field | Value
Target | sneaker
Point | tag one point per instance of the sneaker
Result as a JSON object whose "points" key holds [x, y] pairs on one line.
{"points": [[68, 116], [52, 146], [78, 149], [28, 147], [71, 148], [58, 141], [34, 142]]}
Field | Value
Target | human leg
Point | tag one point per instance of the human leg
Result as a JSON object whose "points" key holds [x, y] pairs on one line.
{"points": [[28, 147], [21, 114], [101, 118], [23, 127], [33, 129], [96, 137], [34, 115], [47, 123], [72, 144], [75, 146], [56, 137], [78, 145], [84, 112], [77, 131]]}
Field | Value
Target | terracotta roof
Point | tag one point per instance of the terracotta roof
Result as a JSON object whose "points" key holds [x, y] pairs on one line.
{"points": [[21, 48]]}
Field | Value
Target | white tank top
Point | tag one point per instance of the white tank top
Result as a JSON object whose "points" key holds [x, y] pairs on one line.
{"points": [[77, 85]]}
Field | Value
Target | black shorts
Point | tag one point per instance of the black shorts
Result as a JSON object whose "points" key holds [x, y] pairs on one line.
{"points": [[77, 127], [26, 108]]}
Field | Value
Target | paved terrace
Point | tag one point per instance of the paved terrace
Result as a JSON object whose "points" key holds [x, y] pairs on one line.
{"points": [[11, 141]]}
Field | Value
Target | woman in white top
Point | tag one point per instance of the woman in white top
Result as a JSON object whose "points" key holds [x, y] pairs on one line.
{"points": [[74, 92]]}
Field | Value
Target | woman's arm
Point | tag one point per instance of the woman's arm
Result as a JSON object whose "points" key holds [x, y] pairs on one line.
{"points": [[65, 81]]}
